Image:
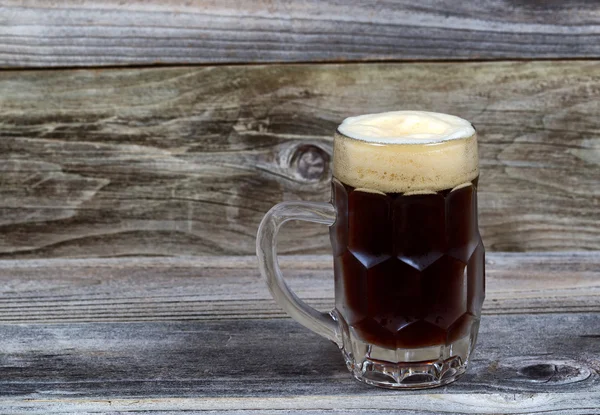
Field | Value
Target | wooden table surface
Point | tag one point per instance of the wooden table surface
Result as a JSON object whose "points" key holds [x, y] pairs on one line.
{"points": [[202, 334]]}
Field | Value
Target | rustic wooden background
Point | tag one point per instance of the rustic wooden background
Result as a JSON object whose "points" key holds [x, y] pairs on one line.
{"points": [[114, 32], [172, 161], [186, 160], [141, 142]]}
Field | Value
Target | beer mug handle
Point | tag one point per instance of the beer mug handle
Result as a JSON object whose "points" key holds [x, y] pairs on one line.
{"points": [[266, 250]]}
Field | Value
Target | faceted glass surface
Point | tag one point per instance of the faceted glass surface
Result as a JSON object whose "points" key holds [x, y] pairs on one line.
{"points": [[409, 269]]}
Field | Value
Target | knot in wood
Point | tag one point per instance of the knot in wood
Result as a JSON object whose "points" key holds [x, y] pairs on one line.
{"points": [[311, 162], [558, 373], [539, 372]]}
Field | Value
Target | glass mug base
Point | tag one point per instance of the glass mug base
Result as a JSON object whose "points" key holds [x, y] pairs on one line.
{"points": [[405, 368]]}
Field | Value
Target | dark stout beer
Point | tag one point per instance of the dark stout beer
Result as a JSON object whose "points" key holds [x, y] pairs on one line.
{"points": [[408, 269], [408, 258]]}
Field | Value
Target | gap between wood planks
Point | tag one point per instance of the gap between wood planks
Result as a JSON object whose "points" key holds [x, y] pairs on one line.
{"points": [[291, 63]]}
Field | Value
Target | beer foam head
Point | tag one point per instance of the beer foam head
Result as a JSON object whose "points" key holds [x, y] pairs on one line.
{"points": [[405, 151]]}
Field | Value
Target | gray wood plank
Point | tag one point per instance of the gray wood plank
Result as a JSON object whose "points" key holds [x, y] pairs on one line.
{"points": [[434, 404], [529, 360], [37, 33], [185, 161], [225, 288], [528, 364]]}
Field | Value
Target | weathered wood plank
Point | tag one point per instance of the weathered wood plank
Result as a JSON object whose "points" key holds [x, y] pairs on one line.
{"points": [[405, 404], [217, 288], [399, 403], [528, 362], [111, 32], [523, 364], [185, 161]]}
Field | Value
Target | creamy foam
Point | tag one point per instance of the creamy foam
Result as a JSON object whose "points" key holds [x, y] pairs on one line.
{"points": [[406, 127], [405, 151]]}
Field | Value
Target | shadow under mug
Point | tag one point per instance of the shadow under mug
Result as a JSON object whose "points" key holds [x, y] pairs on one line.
{"points": [[408, 266]]}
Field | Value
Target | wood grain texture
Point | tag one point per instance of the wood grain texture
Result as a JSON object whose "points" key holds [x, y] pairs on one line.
{"points": [[435, 403], [185, 161], [235, 356], [218, 288], [111, 32], [528, 364]]}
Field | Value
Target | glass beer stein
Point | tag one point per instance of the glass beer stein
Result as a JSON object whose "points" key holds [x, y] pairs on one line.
{"points": [[408, 257]]}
